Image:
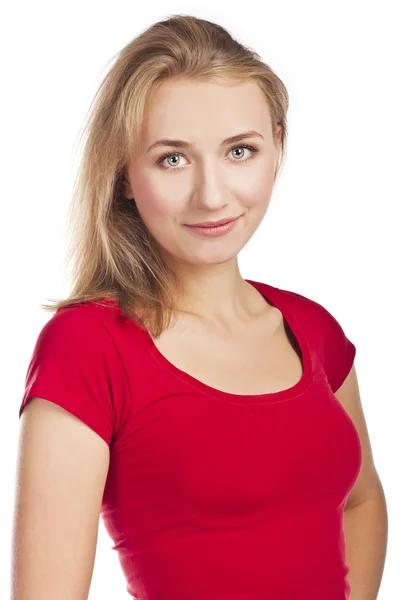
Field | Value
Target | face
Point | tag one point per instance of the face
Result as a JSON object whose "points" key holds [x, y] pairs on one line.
{"points": [[207, 179]]}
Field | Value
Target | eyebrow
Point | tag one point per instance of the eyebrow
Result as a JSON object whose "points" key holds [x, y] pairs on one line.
{"points": [[183, 144]]}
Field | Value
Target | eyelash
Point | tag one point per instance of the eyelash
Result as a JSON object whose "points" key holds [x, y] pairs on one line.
{"points": [[167, 154]]}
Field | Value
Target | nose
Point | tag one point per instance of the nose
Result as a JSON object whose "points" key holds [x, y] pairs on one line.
{"points": [[211, 190]]}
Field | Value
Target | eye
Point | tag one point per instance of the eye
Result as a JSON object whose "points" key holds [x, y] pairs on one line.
{"points": [[160, 161]]}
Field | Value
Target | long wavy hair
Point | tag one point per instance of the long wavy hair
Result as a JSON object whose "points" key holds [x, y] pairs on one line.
{"points": [[114, 256]]}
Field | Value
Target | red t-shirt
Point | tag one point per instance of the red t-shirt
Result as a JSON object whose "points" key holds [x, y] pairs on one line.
{"points": [[211, 495]]}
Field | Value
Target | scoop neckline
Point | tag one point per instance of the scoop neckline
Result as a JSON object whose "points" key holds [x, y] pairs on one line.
{"points": [[275, 297]]}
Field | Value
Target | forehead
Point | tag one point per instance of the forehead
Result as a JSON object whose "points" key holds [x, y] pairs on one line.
{"points": [[193, 110]]}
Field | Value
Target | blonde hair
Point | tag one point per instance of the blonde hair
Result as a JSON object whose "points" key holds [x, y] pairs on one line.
{"points": [[114, 254]]}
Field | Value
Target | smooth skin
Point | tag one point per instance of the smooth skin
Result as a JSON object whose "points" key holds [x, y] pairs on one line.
{"points": [[207, 180], [61, 474]]}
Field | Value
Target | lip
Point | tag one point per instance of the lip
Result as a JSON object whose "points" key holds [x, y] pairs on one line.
{"points": [[213, 223]]}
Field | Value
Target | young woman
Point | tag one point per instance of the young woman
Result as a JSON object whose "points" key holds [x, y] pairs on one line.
{"points": [[199, 413]]}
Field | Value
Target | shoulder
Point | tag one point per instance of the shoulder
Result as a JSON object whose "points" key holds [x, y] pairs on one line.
{"points": [[301, 305], [315, 315], [319, 324], [79, 328]]}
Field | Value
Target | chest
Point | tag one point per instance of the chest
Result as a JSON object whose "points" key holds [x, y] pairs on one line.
{"points": [[262, 358]]}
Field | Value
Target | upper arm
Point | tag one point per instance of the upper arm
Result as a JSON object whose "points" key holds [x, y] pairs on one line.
{"points": [[368, 483], [61, 474]]}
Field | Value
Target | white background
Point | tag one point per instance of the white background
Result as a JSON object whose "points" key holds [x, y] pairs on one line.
{"points": [[331, 231]]}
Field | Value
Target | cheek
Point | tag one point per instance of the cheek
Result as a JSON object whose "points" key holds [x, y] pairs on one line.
{"points": [[256, 180], [155, 211], [259, 189], [152, 199]]}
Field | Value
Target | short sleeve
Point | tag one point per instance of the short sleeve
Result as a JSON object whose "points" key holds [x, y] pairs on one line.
{"points": [[326, 338], [75, 365], [338, 350]]}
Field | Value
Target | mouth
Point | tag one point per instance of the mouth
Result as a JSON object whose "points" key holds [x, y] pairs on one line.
{"points": [[214, 230], [213, 223]]}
